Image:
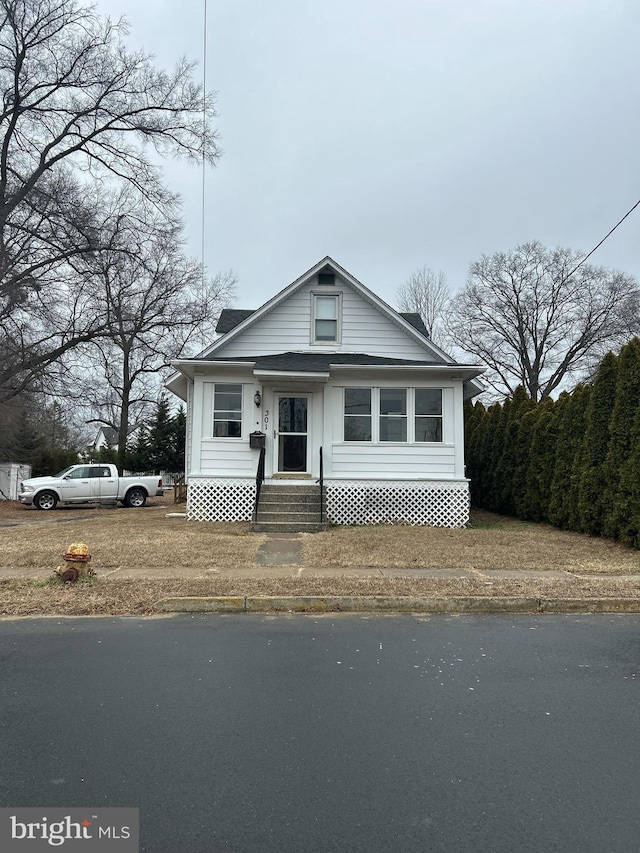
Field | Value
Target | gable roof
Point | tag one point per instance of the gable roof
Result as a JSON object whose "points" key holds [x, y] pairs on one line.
{"points": [[416, 321], [410, 327], [234, 322], [110, 435], [230, 317]]}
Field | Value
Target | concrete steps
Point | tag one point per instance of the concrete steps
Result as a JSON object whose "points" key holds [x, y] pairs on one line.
{"points": [[289, 509]]}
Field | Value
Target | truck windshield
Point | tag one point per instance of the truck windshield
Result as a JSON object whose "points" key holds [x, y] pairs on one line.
{"points": [[63, 472]]}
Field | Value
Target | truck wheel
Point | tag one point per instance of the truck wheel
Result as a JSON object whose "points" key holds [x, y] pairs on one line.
{"points": [[135, 498], [45, 500]]}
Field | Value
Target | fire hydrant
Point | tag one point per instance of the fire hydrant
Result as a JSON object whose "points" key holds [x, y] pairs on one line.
{"points": [[77, 563]]}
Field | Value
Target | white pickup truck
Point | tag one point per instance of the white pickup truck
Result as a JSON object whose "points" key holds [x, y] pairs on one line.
{"points": [[91, 483]]}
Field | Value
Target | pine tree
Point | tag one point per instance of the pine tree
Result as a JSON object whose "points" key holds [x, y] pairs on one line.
{"points": [[176, 461], [138, 456]]}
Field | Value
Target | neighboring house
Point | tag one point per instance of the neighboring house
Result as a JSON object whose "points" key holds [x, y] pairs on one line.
{"points": [[327, 368], [106, 437]]}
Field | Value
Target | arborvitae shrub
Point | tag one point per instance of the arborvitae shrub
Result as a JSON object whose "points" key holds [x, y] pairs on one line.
{"points": [[620, 428], [504, 474], [596, 444], [537, 486], [522, 454]]}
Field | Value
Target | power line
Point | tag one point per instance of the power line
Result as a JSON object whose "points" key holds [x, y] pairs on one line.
{"points": [[606, 237], [204, 136]]}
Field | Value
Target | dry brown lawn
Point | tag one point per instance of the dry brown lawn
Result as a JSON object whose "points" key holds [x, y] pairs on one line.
{"points": [[120, 538], [138, 597], [491, 542]]}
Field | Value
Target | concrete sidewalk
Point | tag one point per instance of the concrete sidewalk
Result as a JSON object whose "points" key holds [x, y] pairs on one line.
{"points": [[280, 557]]}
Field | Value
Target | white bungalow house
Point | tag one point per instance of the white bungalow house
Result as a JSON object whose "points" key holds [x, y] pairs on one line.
{"points": [[337, 383]]}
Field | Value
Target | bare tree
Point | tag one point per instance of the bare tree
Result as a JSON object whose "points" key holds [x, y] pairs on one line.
{"points": [[426, 293], [78, 114], [156, 303], [535, 324]]}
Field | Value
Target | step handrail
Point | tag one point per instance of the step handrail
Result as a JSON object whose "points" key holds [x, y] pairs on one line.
{"points": [[321, 481], [259, 481]]}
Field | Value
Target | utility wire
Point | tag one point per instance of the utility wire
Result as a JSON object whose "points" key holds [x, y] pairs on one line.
{"points": [[606, 237], [204, 153]]}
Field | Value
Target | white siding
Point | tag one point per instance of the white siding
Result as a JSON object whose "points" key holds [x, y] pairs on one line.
{"points": [[230, 458], [393, 462], [233, 457], [287, 328], [226, 457], [188, 442]]}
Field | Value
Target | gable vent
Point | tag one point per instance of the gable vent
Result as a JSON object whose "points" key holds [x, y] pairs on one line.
{"points": [[326, 278]]}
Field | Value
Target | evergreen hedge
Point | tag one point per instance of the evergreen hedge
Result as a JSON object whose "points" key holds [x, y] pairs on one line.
{"points": [[573, 462]]}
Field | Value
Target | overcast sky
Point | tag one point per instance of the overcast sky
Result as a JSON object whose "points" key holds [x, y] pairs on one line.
{"points": [[395, 133]]}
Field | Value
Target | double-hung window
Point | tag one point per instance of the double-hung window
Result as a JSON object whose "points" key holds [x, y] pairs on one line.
{"points": [[428, 414], [357, 414], [408, 415], [326, 319], [393, 414], [227, 411]]}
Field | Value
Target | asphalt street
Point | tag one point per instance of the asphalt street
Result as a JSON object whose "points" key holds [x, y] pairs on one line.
{"points": [[334, 733]]}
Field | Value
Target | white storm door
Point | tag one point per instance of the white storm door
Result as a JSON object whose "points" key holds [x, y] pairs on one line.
{"points": [[292, 434]]}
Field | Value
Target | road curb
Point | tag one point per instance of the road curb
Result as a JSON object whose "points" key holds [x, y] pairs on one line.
{"points": [[394, 604]]}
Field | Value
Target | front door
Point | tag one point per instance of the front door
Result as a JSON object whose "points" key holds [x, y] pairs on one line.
{"points": [[292, 434]]}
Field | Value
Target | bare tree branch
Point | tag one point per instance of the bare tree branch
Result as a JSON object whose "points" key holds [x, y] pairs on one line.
{"points": [[155, 303], [534, 324], [80, 114], [426, 293]]}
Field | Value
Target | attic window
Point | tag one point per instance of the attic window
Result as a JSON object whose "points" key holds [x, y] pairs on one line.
{"points": [[326, 278], [326, 319]]}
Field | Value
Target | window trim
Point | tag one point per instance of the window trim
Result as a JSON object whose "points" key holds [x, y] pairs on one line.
{"points": [[434, 417], [370, 415], [215, 420], [409, 417], [390, 417], [331, 294]]}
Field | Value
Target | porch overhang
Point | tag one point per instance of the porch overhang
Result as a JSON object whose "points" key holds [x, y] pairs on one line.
{"points": [[187, 369], [292, 377]]}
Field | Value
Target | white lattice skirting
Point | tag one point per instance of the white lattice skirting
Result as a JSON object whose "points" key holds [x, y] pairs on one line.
{"points": [[220, 500], [441, 504]]}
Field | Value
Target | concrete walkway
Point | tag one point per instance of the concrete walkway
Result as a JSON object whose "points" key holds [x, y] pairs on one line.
{"points": [[280, 556]]}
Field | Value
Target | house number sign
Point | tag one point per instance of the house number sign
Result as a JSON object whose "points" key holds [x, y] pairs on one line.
{"points": [[266, 420]]}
